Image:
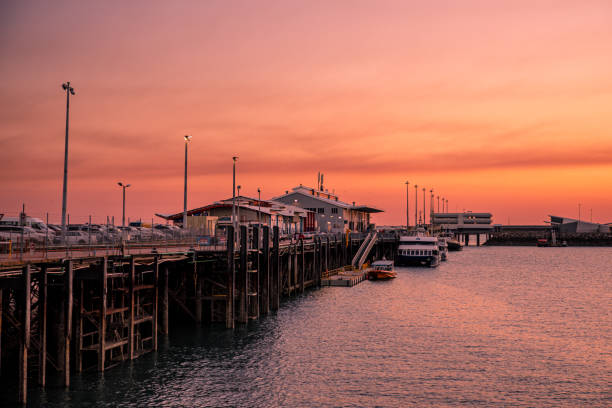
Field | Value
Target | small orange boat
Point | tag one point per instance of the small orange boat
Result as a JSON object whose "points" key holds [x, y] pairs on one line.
{"points": [[381, 270]]}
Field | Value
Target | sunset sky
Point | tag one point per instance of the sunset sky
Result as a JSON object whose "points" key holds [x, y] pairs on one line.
{"points": [[500, 106]]}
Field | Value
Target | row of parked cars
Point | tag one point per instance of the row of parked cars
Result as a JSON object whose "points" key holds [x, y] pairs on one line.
{"points": [[35, 231]]}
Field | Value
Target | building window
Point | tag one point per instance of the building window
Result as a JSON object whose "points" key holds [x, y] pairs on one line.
{"points": [[321, 210], [334, 210]]}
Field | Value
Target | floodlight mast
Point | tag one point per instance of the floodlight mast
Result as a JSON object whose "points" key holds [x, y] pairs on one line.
{"points": [[187, 140], [69, 91]]}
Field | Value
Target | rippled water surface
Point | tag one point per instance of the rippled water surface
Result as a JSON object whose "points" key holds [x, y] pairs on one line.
{"points": [[495, 326]]}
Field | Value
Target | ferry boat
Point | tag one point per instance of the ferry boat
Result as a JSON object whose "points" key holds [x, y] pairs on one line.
{"points": [[443, 248], [418, 251], [381, 270]]}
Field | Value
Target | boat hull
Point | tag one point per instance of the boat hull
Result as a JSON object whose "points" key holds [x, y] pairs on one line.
{"points": [[454, 245], [431, 261], [381, 275]]}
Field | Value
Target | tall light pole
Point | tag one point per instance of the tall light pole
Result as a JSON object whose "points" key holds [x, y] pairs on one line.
{"points": [[447, 205], [424, 216], [438, 197], [69, 91], [407, 207], [124, 186], [234, 200], [416, 204], [431, 206], [187, 140]]}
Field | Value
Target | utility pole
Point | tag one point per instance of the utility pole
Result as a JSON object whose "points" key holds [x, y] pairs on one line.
{"points": [[124, 186], [187, 140], [69, 91], [424, 211], [431, 206], [416, 204], [407, 207]]}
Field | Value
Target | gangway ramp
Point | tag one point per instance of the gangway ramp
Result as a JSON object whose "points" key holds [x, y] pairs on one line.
{"points": [[364, 250]]}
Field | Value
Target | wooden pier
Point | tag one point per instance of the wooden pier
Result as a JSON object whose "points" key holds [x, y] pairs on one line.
{"points": [[65, 315]]}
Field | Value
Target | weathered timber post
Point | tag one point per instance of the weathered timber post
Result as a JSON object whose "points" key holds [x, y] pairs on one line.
{"points": [[243, 276], [42, 324], [78, 361], [276, 286], [68, 287], [477, 239], [302, 265], [131, 308], [253, 303], [229, 304], [165, 329], [103, 307], [155, 300], [198, 290], [24, 343], [315, 269], [327, 254], [1, 309], [467, 239], [264, 272]]}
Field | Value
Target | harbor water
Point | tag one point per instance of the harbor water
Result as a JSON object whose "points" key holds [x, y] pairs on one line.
{"points": [[493, 326]]}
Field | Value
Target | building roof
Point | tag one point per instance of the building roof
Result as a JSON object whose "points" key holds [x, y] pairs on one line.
{"points": [[269, 207], [328, 198]]}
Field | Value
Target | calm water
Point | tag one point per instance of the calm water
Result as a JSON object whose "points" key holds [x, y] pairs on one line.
{"points": [[491, 327]]}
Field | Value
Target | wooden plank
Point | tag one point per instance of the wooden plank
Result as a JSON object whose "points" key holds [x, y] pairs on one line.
{"points": [[275, 286], [165, 329], [302, 266]]}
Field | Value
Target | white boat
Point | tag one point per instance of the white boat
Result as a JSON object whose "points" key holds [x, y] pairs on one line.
{"points": [[443, 248], [418, 250]]}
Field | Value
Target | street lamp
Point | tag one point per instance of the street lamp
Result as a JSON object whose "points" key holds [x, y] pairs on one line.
{"points": [[416, 204], [407, 207], [431, 206], [69, 91], [187, 140], [424, 214], [124, 186], [438, 197]]}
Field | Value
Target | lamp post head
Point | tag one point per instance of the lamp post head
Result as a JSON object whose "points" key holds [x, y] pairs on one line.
{"points": [[119, 183], [407, 182], [187, 138], [416, 186], [258, 190], [235, 158], [66, 87]]}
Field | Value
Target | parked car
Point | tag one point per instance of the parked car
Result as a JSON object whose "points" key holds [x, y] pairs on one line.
{"points": [[15, 233], [77, 237]]}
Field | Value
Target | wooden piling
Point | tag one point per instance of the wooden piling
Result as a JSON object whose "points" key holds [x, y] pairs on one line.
{"points": [[243, 277], [1, 309], [24, 344], [103, 308], [165, 303], [275, 286], [264, 272], [131, 303], [254, 281], [68, 287], [78, 355], [229, 305], [42, 324], [302, 266], [198, 291], [155, 301]]}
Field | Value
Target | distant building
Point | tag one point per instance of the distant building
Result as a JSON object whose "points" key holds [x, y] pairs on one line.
{"points": [[289, 218], [570, 225], [465, 222], [331, 214]]}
